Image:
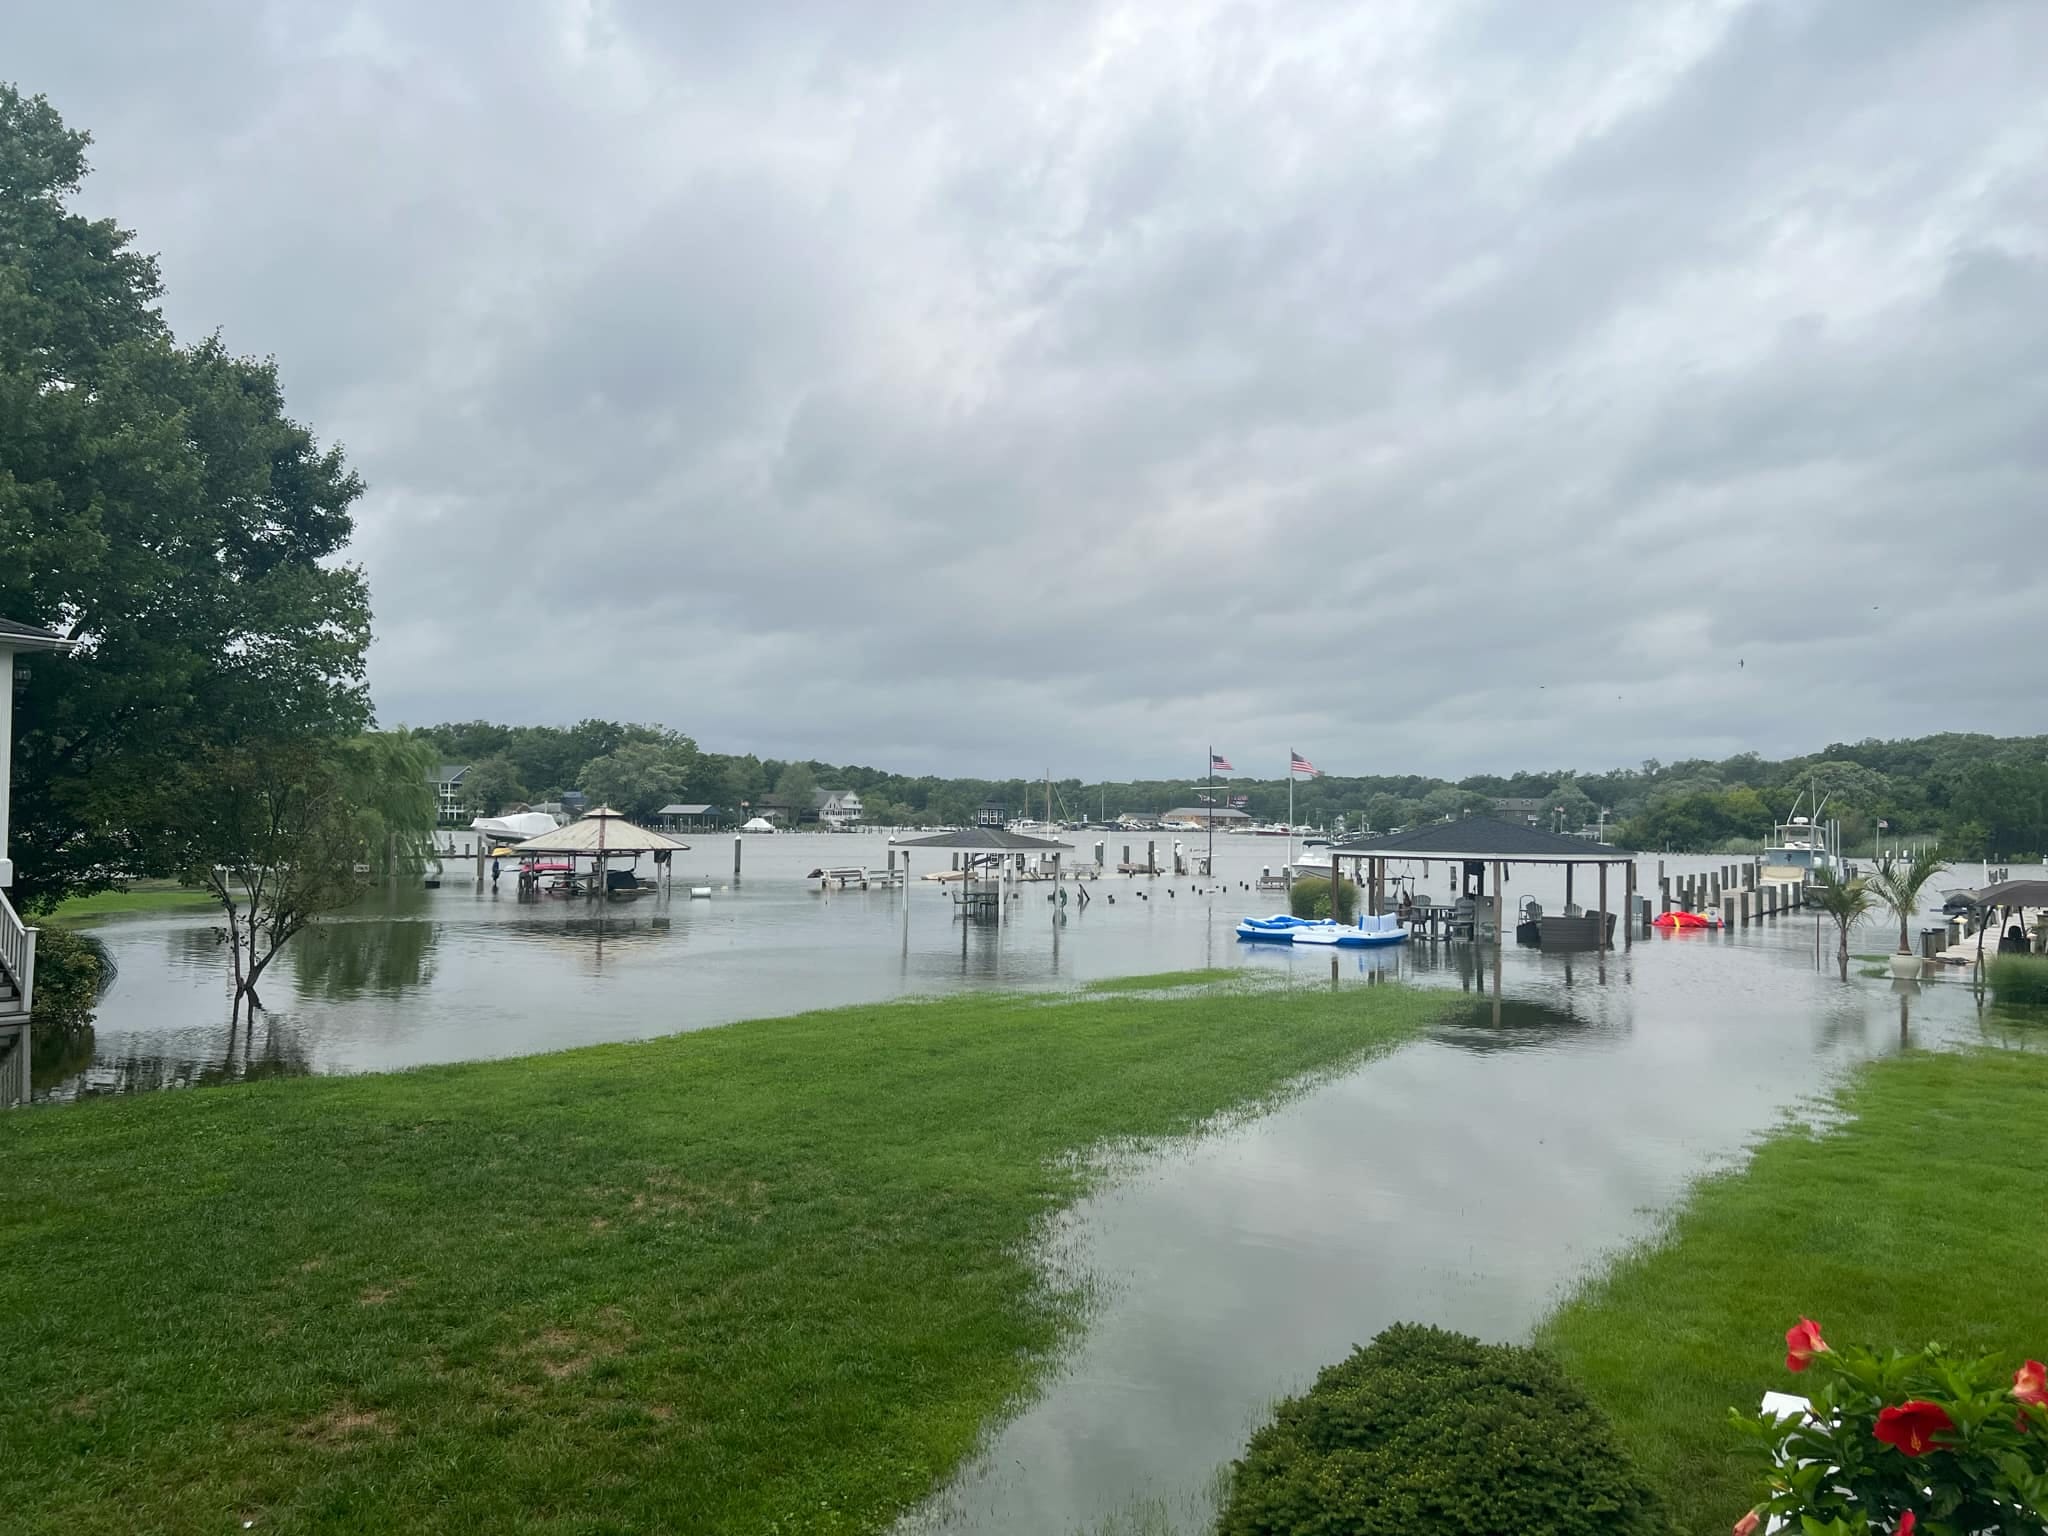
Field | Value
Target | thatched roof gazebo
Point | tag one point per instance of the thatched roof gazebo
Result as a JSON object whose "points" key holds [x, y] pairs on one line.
{"points": [[599, 835]]}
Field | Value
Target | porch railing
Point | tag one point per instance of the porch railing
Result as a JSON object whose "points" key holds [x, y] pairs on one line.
{"points": [[17, 957]]}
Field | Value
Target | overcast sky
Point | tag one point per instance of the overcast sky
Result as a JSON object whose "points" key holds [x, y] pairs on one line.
{"points": [[1426, 386]]}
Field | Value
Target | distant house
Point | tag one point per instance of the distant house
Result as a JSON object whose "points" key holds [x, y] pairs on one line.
{"points": [[447, 781], [993, 813], [1527, 807], [689, 818], [838, 809], [1202, 816]]}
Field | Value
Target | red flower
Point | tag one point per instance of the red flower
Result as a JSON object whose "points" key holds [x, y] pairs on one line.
{"points": [[1802, 1343], [1906, 1523], [2030, 1383], [1747, 1525], [1912, 1425]]}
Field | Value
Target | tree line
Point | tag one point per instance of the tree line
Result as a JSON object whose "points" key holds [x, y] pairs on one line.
{"points": [[1979, 795]]}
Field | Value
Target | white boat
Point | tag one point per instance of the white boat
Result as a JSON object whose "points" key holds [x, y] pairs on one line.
{"points": [[1049, 830], [1310, 866], [1801, 847]]}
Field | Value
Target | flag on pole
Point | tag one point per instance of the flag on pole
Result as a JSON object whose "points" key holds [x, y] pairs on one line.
{"points": [[1299, 764], [1218, 763]]}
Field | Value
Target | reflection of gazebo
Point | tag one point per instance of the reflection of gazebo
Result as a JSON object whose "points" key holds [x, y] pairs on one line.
{"points": [[1478, 843], [600, 836], [988, 848]]}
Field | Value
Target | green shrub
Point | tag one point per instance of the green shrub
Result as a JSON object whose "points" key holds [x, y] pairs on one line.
{"points": [[1428, 1433], [2018, 978], [1311, 898], [71, 973]]}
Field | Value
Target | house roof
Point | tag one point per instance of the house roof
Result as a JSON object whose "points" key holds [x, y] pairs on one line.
{"points": [[603, 828], [451, 772], [820, 798], [685, 810], [983, 839], [31, 637], [1484, 837]]}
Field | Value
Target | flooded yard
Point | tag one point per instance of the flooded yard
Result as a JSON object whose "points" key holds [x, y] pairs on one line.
{"points": [[1466, 1180]]}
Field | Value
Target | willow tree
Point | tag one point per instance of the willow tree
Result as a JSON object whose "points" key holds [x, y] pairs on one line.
{"points": [[283, 831]]}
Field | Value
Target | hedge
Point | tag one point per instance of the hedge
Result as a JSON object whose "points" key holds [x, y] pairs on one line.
{"points": [[1429, 1433]]}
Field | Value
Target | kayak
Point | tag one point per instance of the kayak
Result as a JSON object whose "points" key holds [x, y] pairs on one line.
{"points": [[1682, 920]]}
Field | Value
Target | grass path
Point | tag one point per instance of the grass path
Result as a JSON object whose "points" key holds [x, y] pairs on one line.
{"points": [[137, 896], [769, 1277], [1924, 1217]]}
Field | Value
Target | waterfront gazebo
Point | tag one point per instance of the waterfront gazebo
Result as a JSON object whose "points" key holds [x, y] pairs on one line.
{"points": [[599, 835], [1481, 844]]}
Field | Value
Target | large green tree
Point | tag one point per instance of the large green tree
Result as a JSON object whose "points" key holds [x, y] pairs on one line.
{"points": [[159, 507], [640, 777]]}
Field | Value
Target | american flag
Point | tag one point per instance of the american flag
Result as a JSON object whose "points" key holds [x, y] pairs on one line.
{"points": [[1299, 764], [1218, 763]]}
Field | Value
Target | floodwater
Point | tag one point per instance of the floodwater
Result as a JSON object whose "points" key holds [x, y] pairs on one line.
{"points": [[1466, 1179], [419, 976]]}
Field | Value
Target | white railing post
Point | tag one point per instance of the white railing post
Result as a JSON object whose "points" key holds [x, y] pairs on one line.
{"points": [[18, 952]]}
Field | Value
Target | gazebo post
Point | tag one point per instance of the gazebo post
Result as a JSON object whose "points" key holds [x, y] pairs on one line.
{"points": [[1500, 902], [1600, 923], [1628, 924], [1568, 890]]}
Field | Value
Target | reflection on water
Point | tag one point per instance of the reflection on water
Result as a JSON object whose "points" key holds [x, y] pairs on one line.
{"points": [[347, 959]]}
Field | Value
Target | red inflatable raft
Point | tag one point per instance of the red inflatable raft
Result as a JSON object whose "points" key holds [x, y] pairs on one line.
{"points": [[1683, 920]]}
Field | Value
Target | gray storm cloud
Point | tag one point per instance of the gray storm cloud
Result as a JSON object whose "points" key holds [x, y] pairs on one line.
{"points": [[1429, 387]]}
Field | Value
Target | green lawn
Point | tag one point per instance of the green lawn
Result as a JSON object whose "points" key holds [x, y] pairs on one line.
{"points": [[1925, 1217], [770, 1277], [138, 896]]}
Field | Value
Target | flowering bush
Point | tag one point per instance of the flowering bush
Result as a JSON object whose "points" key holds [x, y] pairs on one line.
{"points": [[1908, 1445]]}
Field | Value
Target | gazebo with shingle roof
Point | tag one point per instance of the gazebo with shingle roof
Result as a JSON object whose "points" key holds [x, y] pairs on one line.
{"points": [[1482, 842]]}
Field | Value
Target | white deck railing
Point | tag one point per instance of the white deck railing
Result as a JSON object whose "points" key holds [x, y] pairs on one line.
{"points": [[17, 956]]}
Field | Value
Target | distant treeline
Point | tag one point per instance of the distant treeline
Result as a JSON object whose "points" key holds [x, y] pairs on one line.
{"points": [[1981, 795]]}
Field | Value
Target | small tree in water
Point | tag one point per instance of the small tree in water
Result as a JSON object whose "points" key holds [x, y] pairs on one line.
{"points": [[282, 832], [1899, 884], [1848, 902]]}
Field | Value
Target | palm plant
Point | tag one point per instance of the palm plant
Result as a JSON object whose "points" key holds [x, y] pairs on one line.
{"points": [[1848, 902], [1898, 885]]}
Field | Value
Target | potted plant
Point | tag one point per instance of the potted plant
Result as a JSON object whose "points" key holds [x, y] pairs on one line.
{"points": [[1898, 884], [1848, 902]]}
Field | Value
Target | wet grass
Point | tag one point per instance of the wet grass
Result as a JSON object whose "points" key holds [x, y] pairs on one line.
{"points": [[1916, 1217], [1170, 979], [137, 896], [777, 1276]]}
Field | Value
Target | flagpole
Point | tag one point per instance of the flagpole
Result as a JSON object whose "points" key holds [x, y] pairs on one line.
{"points": [[1290, 811], [1212, 813]]}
